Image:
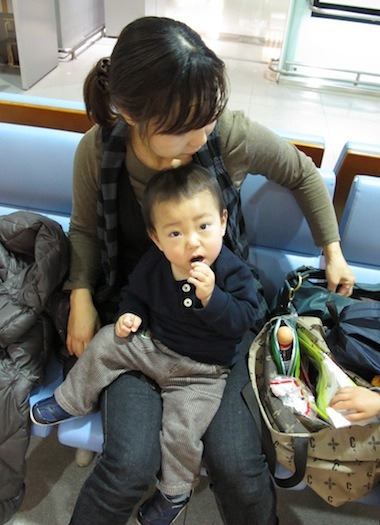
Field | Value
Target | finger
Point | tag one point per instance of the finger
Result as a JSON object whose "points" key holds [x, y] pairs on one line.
{"points": [[136, 324], [203, 272], [123, 332], [338, 405], [199, 264], [341, 400], [197, 277], [78, 348], [127, 321], [69, 345], [201, 268], [342, 395], [345, 289], [355, 416]]}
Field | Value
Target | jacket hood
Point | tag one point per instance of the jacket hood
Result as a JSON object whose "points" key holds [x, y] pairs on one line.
{"points": [[34, 258]]}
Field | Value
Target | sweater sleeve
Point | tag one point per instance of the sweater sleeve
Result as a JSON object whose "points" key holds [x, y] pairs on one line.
{"points": [[85, 250], [130, 303], [135, 295], [250, 148], [232, 309]]}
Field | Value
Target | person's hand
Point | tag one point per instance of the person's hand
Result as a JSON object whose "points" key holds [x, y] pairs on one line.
{"points": [[339, 275], [83, 321], [203, 278], [364, 402], [126, 324]]}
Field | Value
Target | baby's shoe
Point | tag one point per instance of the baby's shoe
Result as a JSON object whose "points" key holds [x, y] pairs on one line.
{"points": [[47, 412]]}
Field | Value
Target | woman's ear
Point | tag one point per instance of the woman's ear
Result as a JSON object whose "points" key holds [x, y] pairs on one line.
{"points": [[127, 118]]}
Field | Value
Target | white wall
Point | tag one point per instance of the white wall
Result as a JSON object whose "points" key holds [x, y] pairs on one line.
{"points": [[76, 19]]}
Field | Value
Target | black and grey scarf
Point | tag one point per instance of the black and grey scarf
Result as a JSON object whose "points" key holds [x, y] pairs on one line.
{"points": [[209, 156]]}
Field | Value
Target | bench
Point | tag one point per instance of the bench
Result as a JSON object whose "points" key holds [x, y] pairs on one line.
{"points": [[71, 116], [43, 112], [356, 158], [36, 175]]}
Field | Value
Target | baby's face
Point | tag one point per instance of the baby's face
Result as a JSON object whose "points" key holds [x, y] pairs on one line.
{"points": [[188, 231]]}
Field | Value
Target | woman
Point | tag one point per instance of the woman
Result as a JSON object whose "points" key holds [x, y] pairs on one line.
{"points": [[160, 102]]}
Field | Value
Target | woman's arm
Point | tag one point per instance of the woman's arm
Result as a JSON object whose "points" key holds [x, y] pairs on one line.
{"points": [[85, 250], [249, 147], [83, 320]]}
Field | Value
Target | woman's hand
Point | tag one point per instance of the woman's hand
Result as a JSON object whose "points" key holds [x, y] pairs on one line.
{"points": [[365, 403], [338, 273], [83, 321]]}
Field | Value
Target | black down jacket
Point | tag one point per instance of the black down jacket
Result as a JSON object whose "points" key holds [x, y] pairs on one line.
{"points": [[34, 258]]}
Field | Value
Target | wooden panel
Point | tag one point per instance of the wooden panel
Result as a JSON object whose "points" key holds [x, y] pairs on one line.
{"points": [[354, 163], [315, 151], [77, 120], [44, 116]]}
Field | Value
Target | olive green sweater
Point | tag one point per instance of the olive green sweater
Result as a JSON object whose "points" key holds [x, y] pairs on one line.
{"points": [[247, 148]]}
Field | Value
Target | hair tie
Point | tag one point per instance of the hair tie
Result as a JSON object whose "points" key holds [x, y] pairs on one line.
{"points": [[102, 69]]}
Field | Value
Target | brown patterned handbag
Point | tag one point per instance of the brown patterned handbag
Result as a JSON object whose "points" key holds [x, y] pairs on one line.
{"points": [[339, 464]]}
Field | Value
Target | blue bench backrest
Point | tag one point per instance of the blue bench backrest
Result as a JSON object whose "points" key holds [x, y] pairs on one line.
{"points": [[360, 228], [36, 170], [279, 237]]}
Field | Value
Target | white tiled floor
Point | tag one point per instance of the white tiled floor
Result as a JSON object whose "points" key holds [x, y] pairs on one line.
{"points": [[53, 484]]}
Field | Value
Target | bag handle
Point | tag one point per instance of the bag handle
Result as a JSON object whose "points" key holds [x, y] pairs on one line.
{"points": [[293, 282], [300, 444]]}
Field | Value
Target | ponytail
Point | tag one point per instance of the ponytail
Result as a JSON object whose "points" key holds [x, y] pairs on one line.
{"points": [[96, 95]]}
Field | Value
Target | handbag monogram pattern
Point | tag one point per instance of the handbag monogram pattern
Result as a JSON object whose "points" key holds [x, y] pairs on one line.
{"points": [[342, 464]]}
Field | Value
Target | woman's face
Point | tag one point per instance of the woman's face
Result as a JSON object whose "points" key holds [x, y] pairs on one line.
{"points": [[167, 146], [181, 145]]}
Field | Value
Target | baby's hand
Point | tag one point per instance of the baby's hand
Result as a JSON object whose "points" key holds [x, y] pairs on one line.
{"points": [[126, 324], [364, 402], [203, 278]]}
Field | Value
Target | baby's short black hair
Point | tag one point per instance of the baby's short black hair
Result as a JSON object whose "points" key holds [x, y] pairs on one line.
{"points": [[177, 184]]}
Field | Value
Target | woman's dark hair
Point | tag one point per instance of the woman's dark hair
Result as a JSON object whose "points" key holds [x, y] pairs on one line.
{"points": [[160, 71], [177, 184]]}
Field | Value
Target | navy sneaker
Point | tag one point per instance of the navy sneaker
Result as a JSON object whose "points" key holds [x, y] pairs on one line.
{"points": [[47, 412], [159, 510]]}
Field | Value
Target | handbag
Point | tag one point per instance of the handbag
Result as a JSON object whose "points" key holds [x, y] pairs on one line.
{"points": [[339, 464], [352, 323], [305, 292]]}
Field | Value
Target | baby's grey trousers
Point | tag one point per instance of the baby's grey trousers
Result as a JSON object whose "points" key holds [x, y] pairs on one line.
{"points": [[191, 393]]}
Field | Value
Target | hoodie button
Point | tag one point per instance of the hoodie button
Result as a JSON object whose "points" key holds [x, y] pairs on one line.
{"points": [[188, 302]]}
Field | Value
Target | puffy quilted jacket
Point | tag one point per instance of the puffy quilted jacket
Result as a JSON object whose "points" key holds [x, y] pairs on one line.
{"points": [[34, 258]]}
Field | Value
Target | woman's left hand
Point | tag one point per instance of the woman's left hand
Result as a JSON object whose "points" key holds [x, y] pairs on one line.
{"points": [[339, 275]]}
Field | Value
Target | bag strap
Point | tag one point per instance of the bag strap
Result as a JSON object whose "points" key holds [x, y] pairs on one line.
{"points": [[300, 444], [333, 310], [293, 282]]}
